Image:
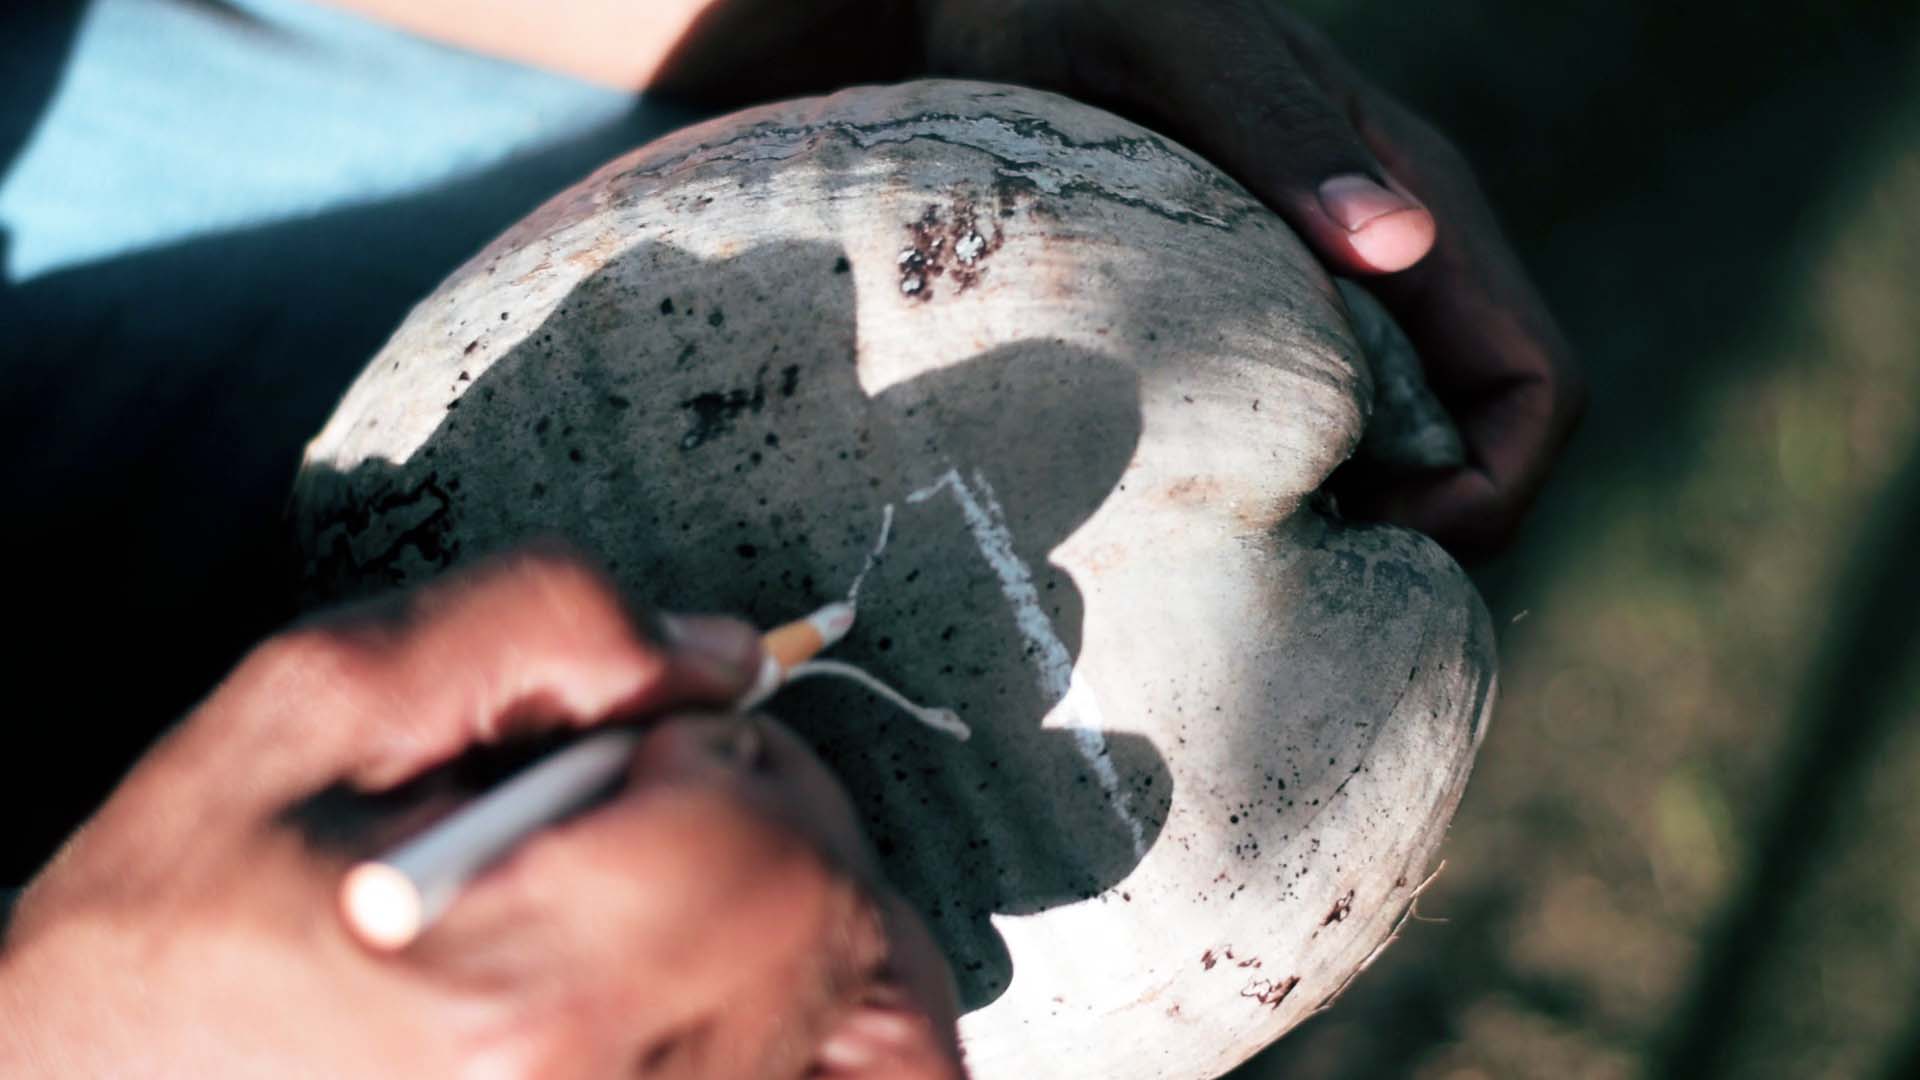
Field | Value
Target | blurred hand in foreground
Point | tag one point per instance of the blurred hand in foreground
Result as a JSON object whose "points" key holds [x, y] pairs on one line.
{"points": [[719, 916]]}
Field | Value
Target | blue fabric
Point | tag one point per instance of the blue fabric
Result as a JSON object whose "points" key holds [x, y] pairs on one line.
{"points": [[177, 120], [212, 212]]}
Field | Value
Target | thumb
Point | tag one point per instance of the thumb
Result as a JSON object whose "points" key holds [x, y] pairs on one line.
{"points": [[1281, 126], [1299, 153], [1364, 225]]}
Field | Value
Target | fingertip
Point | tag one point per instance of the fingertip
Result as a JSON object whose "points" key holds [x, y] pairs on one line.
{"points": [[1353, 200], [1395, 241], [885, 1042], [728, 650], [1371, 228]]}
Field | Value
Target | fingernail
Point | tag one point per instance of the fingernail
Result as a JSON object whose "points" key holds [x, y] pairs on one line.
{"points": [[847, 1053], [1353, 200], [869, 1036], [729, 646]]}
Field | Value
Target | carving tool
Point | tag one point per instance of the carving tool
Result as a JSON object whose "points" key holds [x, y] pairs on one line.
{"points": [[389, 901]]}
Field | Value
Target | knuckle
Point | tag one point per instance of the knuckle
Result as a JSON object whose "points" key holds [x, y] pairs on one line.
{"points": [[570, 586], [316, 655], [520, 1043], [300, 673]]}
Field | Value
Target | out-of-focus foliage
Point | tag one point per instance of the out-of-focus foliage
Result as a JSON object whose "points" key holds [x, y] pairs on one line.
{"points": [[1692, 845]]}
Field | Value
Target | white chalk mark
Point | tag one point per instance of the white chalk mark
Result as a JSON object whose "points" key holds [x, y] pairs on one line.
{"points": [[945, 721], [1053, 664], [873, 557]]}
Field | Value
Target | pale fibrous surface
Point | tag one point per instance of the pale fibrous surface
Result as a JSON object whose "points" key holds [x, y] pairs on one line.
{"points": [[1059, 396]]}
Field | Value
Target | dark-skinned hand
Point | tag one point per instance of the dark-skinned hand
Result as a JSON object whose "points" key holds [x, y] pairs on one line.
{"points": [[1376, 192], [720, 916]]}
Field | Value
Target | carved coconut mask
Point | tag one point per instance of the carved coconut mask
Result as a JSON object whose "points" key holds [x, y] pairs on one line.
{"points": [[1086, 388]]}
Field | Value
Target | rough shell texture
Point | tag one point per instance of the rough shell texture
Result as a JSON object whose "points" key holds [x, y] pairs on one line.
{"points": [[1085, 387]]}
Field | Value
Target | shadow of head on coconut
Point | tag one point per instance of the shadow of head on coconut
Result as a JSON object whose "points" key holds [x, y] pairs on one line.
{"points": [[701, 426]]}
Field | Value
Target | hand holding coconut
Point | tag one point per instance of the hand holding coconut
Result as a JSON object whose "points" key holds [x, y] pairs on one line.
{"points": [[1375, 191]]}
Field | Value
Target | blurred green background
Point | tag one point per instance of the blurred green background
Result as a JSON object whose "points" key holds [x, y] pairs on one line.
{"points": [[1689, 847]]}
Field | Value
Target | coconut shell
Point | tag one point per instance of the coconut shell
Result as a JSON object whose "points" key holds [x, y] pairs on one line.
{"points": [[1087, 388]]}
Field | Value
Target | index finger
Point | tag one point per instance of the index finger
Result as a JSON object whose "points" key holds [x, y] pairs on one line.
{"points": [[535, 640]]}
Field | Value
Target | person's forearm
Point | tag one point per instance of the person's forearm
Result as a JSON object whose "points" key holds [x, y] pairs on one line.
{"points": [[711, 50]]}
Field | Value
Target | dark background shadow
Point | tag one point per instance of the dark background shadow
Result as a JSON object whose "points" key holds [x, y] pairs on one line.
{"points": [[700, 425], [1676, 177]]}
